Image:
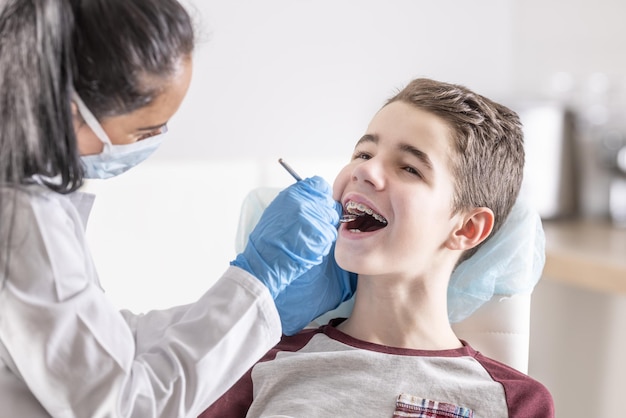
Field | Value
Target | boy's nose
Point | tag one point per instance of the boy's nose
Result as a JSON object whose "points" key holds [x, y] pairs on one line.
{"points": [[370, 172]]}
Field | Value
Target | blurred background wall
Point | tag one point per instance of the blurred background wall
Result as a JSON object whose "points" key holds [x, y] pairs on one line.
{"points": [[301, 79]]}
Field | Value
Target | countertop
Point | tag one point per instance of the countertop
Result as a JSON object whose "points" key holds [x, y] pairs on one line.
{"points": [[591, 254]]}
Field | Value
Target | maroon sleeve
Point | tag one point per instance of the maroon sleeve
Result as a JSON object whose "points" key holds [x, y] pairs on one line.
{"points": [[237, 400], [525, 397]]}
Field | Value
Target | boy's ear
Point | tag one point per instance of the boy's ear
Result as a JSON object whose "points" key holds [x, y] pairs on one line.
{"points": [[474, 229]]}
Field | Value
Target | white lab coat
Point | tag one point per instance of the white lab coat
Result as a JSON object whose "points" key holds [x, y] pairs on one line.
{"points": [[65, 351]]}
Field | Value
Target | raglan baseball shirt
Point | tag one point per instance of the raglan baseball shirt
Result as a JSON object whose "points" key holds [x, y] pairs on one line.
{"points": [[326, 373]]}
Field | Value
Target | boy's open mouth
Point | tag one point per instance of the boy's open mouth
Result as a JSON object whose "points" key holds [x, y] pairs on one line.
{"points": [[366, 219]]}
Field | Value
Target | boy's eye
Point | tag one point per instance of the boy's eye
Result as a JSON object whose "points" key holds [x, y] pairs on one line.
{"points": [[361, 155], [413, 171]]}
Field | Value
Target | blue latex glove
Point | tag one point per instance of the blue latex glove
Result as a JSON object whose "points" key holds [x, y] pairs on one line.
{"points": [[294, 234], [316, 292]]}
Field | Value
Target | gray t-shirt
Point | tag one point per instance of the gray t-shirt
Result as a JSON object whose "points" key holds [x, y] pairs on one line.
{"points": [[326, 373]]}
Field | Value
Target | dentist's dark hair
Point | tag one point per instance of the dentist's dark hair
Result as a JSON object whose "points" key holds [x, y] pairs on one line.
{"points": [[116, 54]]}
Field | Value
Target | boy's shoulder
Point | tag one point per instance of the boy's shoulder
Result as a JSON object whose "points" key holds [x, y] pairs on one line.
{"points": [[525, 395]]}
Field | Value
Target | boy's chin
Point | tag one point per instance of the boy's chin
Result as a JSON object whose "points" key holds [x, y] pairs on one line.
{"points": [[359, 263], [347, 263], [342, 263]]}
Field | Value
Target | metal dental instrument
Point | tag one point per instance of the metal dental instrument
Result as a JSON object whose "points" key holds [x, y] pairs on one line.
{"points": [[348, 218], [289, 169], [343, 219]]}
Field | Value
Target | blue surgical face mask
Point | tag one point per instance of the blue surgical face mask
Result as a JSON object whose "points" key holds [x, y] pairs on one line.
{"points": [[114, 159]]}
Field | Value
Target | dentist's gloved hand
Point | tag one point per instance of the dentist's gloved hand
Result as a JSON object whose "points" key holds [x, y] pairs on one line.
{"points": [[294, 234], [317, 291]]}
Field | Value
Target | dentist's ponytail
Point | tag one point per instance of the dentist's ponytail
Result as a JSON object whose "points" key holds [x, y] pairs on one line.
{"points": [[36, 129]]}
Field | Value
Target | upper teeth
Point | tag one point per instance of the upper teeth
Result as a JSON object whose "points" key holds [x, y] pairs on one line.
{"points": [[360, 209]]}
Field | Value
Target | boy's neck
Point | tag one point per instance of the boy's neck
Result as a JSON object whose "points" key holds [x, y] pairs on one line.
{"points": [[395, 314]]}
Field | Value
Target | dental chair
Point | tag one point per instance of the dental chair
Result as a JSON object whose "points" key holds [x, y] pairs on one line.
{"points": [[494, 318]]}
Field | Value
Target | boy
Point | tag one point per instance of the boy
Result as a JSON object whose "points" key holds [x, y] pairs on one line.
{"points": [[434, 176]]}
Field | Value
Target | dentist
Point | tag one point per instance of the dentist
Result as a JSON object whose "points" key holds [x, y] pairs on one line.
{"points": [[86, 90]]}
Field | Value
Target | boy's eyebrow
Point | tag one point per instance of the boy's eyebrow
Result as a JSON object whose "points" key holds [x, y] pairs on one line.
{"points": [[367, 138], [409, 149], [417, 153]]}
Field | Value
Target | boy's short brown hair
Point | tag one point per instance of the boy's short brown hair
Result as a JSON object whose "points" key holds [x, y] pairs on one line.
{"points": [[488, 163]]}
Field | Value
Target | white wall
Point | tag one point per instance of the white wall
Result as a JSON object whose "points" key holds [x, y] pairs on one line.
{"points": [[302, 77], [577, 37], [300, 80]]}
